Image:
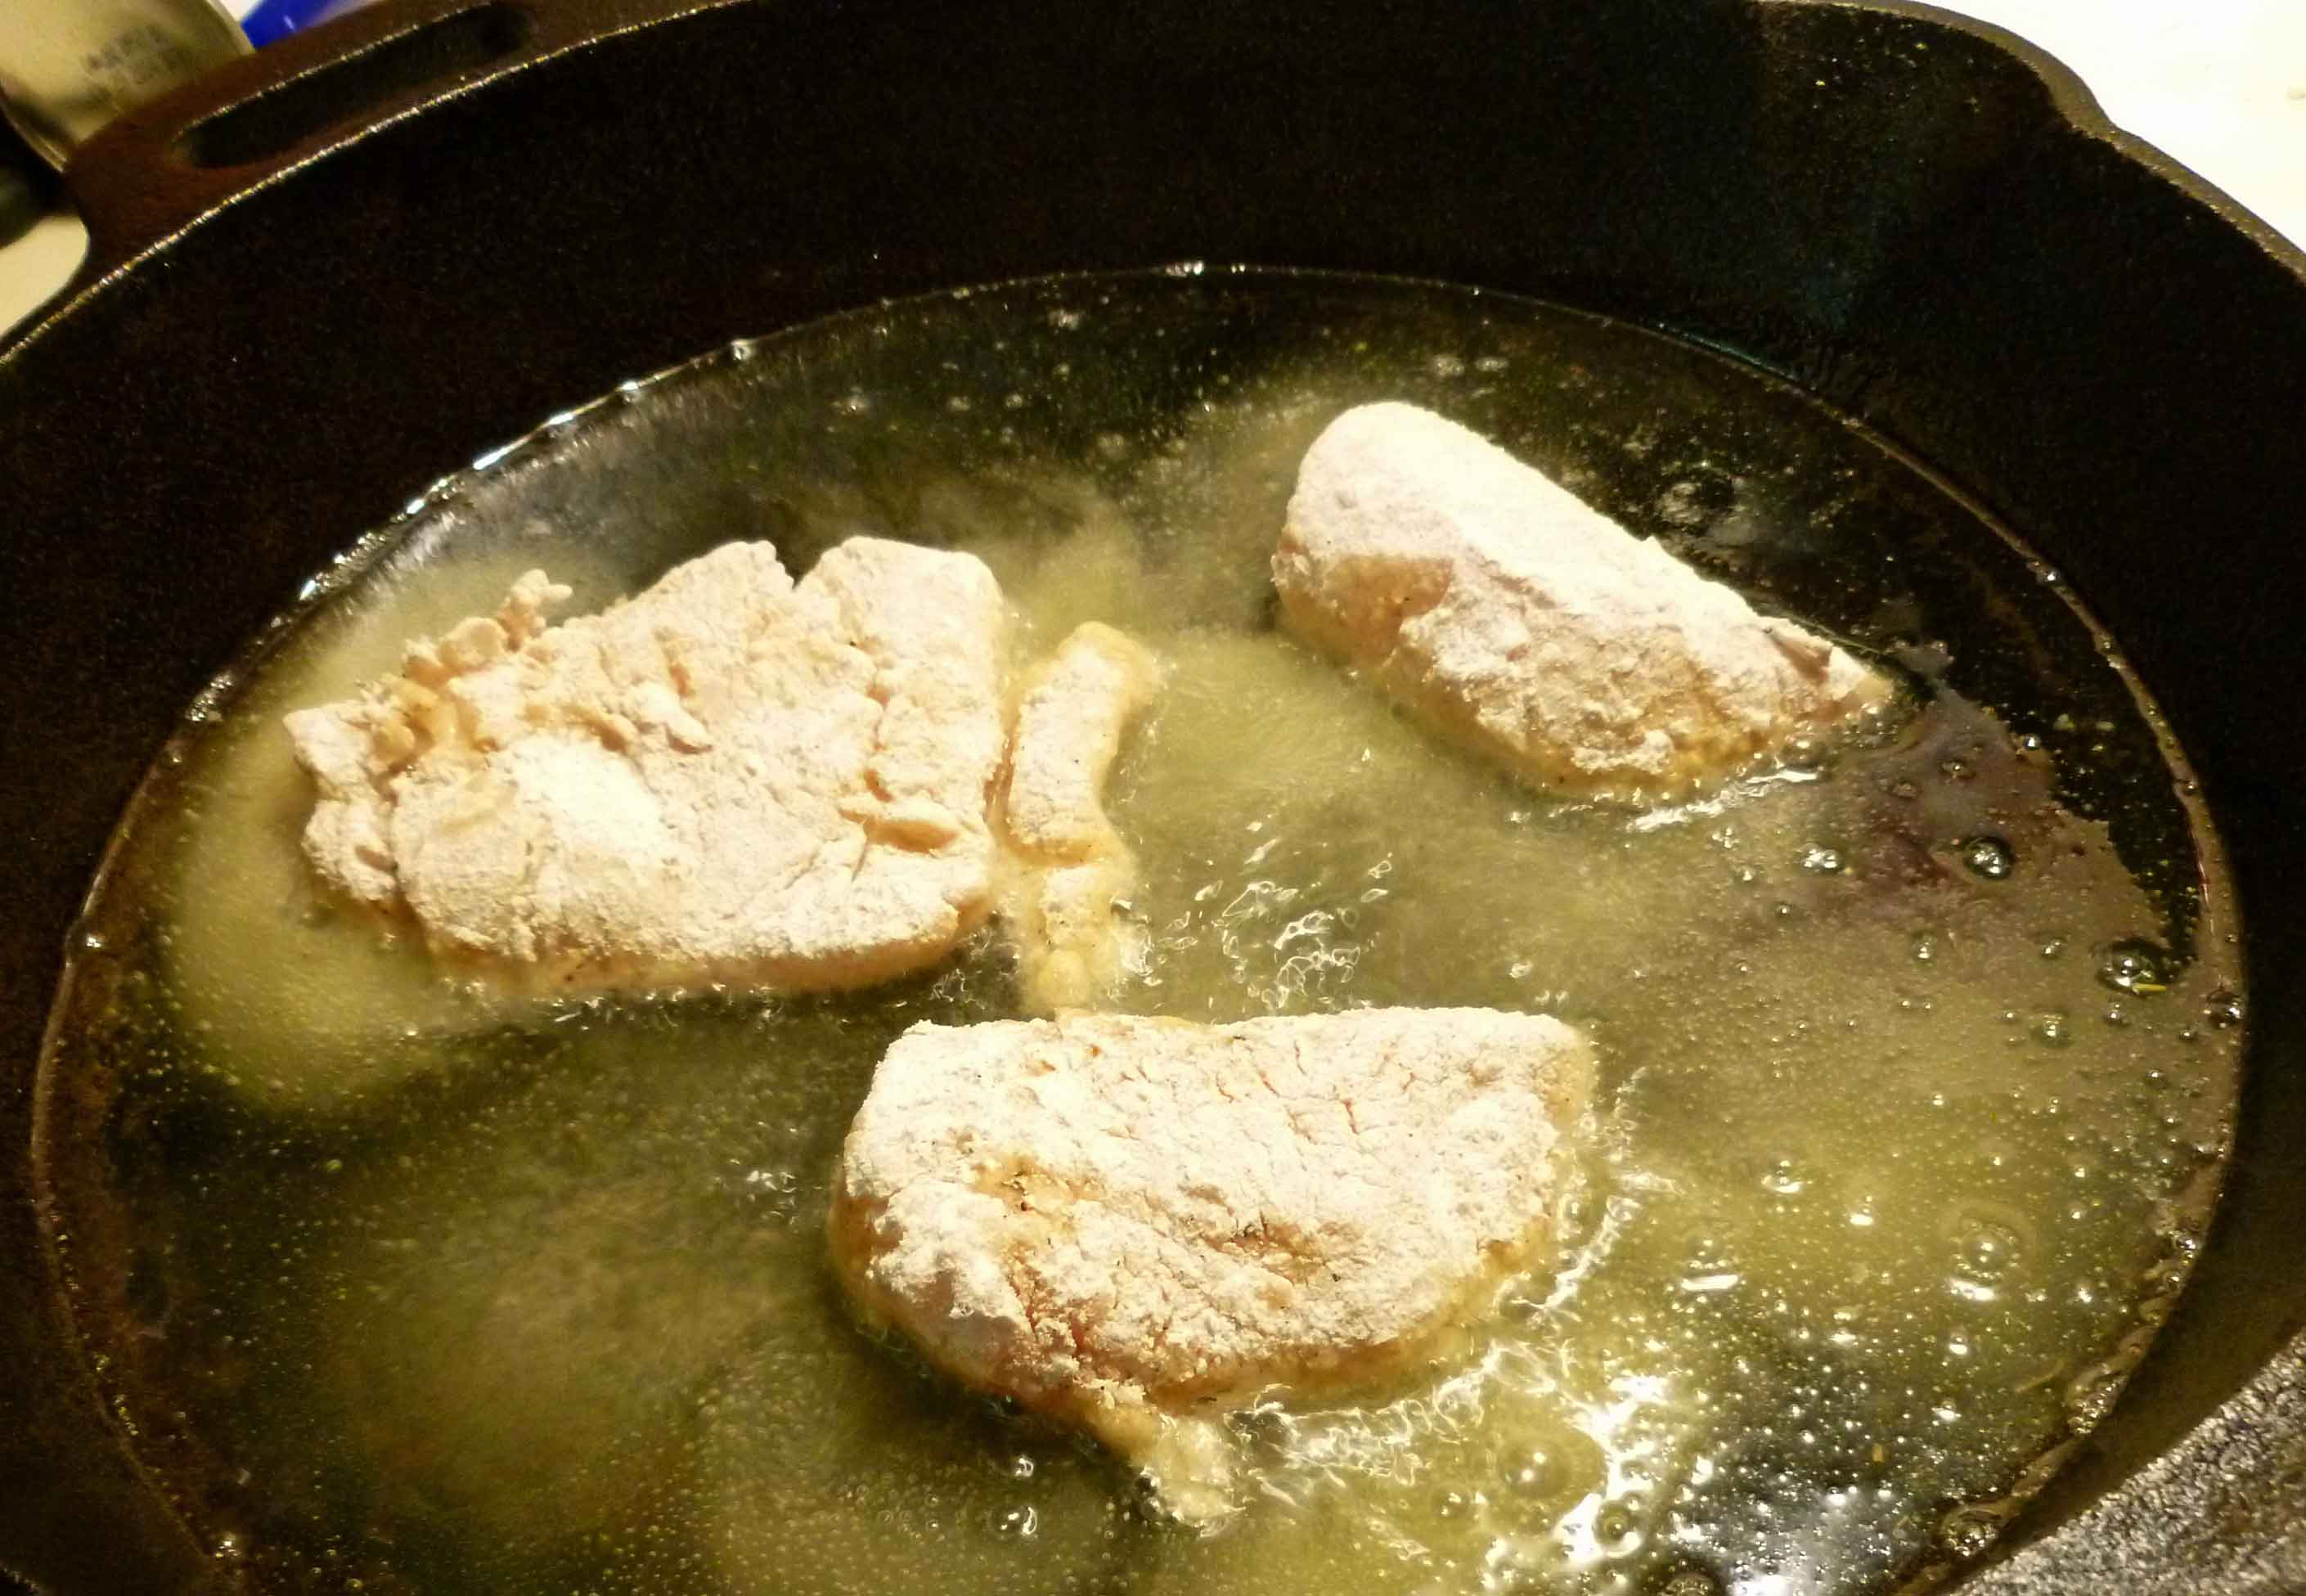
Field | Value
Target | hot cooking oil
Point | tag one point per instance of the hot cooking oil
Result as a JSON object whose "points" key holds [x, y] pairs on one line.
{"points": [[1917, 1051]]}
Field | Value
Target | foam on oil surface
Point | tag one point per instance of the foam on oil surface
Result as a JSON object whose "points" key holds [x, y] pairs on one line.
{"points": [[1914, 1065]]}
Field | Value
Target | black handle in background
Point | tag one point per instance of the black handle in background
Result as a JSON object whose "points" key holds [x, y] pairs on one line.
{"points": [[27, 190], [164, 165]]}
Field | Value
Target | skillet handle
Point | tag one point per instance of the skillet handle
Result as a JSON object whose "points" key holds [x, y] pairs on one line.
{"points": [[162, 165]]}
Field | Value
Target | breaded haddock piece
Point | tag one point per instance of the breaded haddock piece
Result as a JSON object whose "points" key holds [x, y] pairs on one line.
{"points": [[1508, 612], [1138, 1225], [1072, 875], [731, 777]]}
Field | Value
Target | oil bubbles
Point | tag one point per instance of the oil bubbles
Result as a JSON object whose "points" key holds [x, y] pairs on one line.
{"points": [[1988, 857], [2134, 966]]}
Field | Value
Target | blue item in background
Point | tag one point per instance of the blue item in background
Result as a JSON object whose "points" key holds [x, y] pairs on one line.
{"points": [[268, 20]]}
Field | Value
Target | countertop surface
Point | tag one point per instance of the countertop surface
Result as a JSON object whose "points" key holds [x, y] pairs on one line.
{"points": [[2220, 84]]}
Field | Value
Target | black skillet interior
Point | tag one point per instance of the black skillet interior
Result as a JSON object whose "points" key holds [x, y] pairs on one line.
{"points": [[1930, 229]]}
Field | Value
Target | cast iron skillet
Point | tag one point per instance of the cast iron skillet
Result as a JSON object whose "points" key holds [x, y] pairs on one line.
{"points": [[330, 273]]}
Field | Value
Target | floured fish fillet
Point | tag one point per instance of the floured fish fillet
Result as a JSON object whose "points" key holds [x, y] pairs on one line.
{"points": [[1138, 1225], [731, 777], [1500, 607], [1067, 901]]}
